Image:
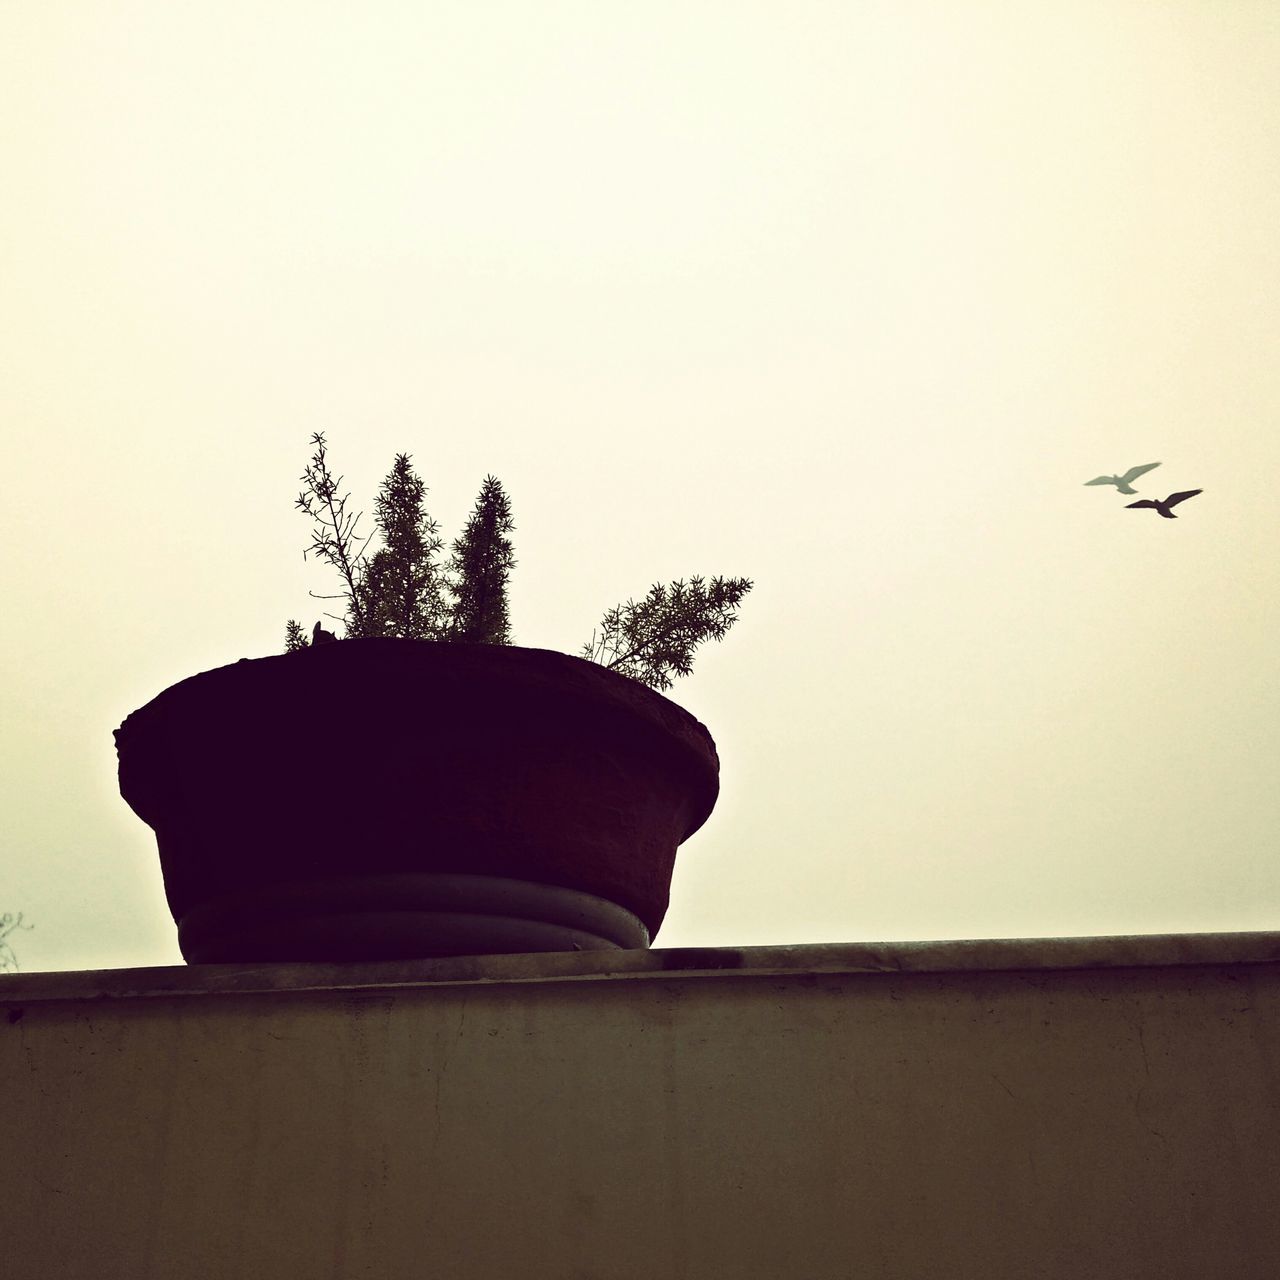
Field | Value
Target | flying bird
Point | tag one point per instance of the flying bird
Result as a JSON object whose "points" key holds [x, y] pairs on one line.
{"points": [[1163, 507], [1125, 482], [320, 636]]}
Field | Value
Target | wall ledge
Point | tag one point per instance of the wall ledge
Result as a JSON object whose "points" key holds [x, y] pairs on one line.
{"points": [[957, 956]]}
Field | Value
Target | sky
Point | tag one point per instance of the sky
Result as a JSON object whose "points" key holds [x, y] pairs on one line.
{"points": [[848, 298]]}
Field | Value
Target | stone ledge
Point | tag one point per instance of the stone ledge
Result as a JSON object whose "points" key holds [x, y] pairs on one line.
{"points": [[959, 956]]}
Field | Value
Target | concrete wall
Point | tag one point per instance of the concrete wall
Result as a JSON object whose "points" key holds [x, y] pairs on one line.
{"points": [[1087, 1108]]}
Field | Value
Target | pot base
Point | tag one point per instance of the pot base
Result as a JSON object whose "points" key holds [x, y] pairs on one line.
{"points": [[404, 917]]}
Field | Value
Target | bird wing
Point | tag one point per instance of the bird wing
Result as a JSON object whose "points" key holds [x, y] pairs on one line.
{"points": [[1134, 472], [1102, 480], [1174, 498], [1142, 502]]}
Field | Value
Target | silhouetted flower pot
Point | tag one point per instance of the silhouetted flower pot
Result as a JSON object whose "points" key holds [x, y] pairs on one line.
{"points": [[389, 799]]}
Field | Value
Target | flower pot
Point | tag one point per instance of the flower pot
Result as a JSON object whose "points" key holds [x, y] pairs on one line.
{"points": [[393, 799]]}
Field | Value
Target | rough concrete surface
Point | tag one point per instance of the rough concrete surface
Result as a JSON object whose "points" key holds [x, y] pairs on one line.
{"points": [[1055, 1108]]}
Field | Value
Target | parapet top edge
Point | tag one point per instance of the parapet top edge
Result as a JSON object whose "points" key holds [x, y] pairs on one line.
{"points": [[923, 957]]}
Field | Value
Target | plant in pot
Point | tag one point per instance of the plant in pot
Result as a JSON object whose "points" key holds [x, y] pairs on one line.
{"points": [[422, 786]]}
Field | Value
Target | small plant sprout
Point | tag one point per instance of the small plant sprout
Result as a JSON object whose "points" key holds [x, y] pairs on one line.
{"points": [[402, 590], [10, 923]]}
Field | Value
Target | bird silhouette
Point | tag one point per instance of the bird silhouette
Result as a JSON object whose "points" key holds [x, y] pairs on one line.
{"points": [[1125, 482], [1163, 507], [320, 636]]}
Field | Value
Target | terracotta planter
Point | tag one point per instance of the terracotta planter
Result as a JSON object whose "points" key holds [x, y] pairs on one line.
{"points": [[389, 799]]}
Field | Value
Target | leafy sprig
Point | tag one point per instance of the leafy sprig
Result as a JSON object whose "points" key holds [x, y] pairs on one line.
{"points": [[333, 535], [653, 640], [482, 563]]}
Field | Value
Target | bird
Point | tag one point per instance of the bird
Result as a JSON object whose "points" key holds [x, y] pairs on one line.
{"points": [[1125, 482], [1163, 507], [320, 636]]}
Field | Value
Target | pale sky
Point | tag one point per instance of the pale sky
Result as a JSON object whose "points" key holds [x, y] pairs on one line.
{"points": [[848, 298]]}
